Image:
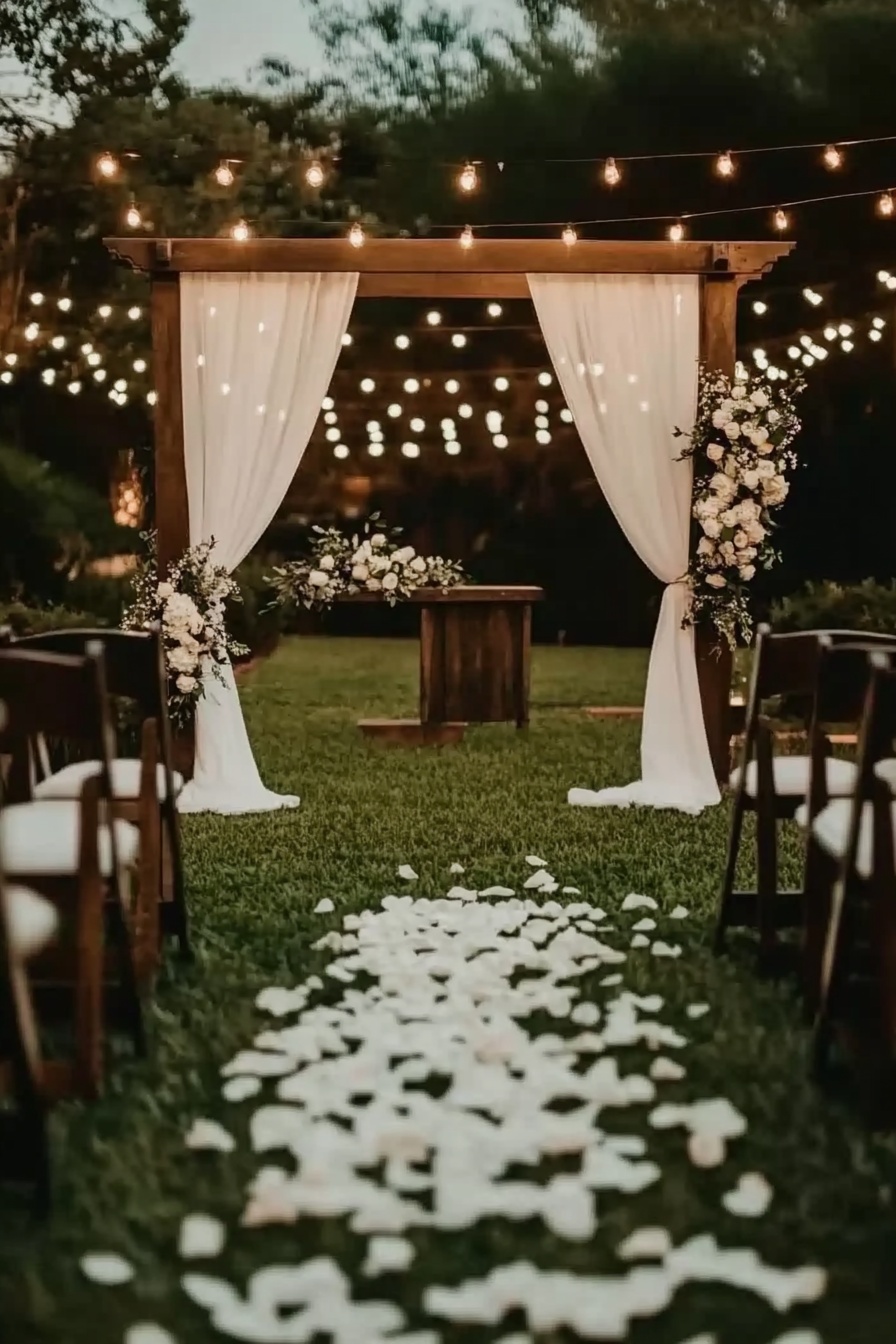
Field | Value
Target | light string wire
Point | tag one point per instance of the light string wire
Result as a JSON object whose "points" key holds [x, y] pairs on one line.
{"points": [[676, 154]]}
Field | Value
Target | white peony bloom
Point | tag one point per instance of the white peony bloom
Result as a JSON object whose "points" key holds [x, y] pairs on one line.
{"points": [[773, 416], [715, 452], [759, 436], [360, 572], [747, 572], [722, 485], [759, 398], [377, 540], [327, 563], [729, 518], [404, 555], [750, 479], [390, 582], [717, 581], [740, 540], [186, 683], [732, 430], [181, 660], [765, 469], [164, 590], [705, 546], [374, 585], [719, 419], [738, 392], [712, 527], [418, 564], [318, 579]]}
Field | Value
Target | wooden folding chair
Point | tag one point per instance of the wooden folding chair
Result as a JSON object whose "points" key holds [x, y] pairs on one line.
{"points": [[27, 924], [776, 786], [135, 671], [76, 852], [857, 973]]}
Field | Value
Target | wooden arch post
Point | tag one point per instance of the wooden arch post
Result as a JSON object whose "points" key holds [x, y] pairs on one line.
{"points": [[437, 269]]}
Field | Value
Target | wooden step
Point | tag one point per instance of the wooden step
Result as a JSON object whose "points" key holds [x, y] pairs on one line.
{"points": [[412, 732]]}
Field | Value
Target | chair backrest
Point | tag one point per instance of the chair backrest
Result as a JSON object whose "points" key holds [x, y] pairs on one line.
{"points": [[843, 677], [133, 659], [59, 696]]}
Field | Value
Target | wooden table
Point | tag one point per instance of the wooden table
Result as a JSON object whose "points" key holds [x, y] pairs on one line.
{"points": [[475, 647]]}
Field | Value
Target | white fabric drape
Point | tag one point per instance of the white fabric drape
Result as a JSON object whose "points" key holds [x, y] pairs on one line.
{"points": [[257, 355], [625, 350]]}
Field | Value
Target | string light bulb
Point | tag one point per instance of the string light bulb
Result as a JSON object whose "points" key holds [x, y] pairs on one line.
{"points": [[466, 238], [725, 166], [676, 232], [133, 218], [611, 174], [240, 233], [356, 235], [781, 220], [569, 236], [832, 158], [886, 205], [107, 165], [224, 174], [468, 178], [315, 175]]}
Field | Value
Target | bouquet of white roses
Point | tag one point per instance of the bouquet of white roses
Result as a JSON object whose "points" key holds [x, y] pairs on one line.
{"points": [[741, 449], [371, 561], [189, 606]]}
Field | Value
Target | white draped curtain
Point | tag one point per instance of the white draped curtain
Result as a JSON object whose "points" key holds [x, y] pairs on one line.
{"points": [[257, 353], [625, 350]]}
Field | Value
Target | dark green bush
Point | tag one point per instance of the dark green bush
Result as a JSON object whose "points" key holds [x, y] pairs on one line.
{"points": [[868, 606], [256, 621]]}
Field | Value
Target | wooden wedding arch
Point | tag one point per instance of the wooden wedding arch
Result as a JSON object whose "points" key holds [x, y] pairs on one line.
{"points": [[437, 269]]}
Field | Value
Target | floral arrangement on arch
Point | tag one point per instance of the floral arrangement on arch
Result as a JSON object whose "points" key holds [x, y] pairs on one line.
{"points": [[372, 561], [741, 450], [188, 604]]}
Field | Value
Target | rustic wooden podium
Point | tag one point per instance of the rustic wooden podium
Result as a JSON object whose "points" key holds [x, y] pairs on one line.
{"points": [[475, 645]]}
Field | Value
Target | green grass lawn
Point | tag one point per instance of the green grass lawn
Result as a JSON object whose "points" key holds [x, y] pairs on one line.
{"points": [[124, 1177]]}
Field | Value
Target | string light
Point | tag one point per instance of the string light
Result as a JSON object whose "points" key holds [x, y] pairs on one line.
{"points": [[64, 304], [781, 220], [375, 449], [468, 178], [434, 318], [760, 308], [347, 338], [240, 233], [832, 158], [812, 296], [340, 450], [356, 235], [458, 340], [315, 175], [107, 165], [410, 449], [133, 218], [569, 236], [452, 447], [676, 232], [402, 342], [224, 174], [725, 165], [501, 384], [36, 298], [367, 385], [494, 310], [611, 173], [886, 205], [466, 238]]}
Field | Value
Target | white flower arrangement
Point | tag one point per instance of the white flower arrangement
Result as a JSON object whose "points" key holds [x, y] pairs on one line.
{"points": [[741, 450], [371, 561], [188, 604]]}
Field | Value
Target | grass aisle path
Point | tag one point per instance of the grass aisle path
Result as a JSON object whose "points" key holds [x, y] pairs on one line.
{"points": [[125, 1179]]}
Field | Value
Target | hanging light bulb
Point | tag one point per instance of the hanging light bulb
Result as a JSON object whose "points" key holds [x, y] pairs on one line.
{"points": [[676, 232], [468, 178], [832, 158], [356, 235], [725, 166], [466, 238], [569, 236], [611, 174], [107, 165], [781, 220], [224, 174], [133, 218], [886, 205], [315, 175], [240, 232]]}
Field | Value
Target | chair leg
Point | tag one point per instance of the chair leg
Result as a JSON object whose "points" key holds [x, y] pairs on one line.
{"points": [[766, 882], [829, 982], [820, 876], [180, 924], [127, 970], [88, 1064], [734, 838]]}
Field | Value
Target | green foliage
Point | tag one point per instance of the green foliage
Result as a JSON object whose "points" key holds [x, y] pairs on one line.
{"points": [[868, 606], [256, 620], [27, 620], [50, 527]]}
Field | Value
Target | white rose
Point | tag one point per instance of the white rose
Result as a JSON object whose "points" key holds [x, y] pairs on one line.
{"points": [[717, 580], [373, 585], [377, 540], [712, 527], [732, 430], [164, 590], [327, 563], [318, 579], [719, 419], [723, 485], [765, 469], [747, 572], [773, 417], [759, 398], [727, 551], [362, 553], [726, 407], [706, 508], [759, 436], [418, 564], [404, 556], [750, 479], [738, 392], [755, 531], [705, 546], [749, 510], [715, 452], [740, 540], [181, 660], [186, 683], [729, 518], [360, 573], [390, 582], [765, 448]]}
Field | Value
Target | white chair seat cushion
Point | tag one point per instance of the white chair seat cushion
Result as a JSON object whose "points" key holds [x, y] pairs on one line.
{"points": [[67, 783], [32, 921], [43, 839], [886, 770], [831, 828], [791, 776]]}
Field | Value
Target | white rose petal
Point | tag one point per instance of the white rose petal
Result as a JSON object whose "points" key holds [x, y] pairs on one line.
{"points": [[661, 949], [201, 1237], [406, 872], [147, 1332], [666, 1071], [240, 1089], [750, 1198], [456, 868], [706, 1150], [535, 861], [648, 1243], [208, 1135], [696, 1010], [106, 1268], [680, 912], [387, 1255], [324, 906], [644, 926], [634, 902]]}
